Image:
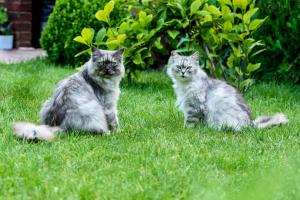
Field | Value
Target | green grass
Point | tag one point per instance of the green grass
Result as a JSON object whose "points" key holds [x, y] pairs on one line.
{"points": [[153, 157]]}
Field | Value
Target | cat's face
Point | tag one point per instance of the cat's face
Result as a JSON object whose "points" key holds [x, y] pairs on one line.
{"points": [[106, 63], [183, 68]]}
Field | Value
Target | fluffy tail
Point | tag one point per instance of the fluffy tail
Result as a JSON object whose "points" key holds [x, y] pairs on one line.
{"points": [[268, 121], [31, 131]]}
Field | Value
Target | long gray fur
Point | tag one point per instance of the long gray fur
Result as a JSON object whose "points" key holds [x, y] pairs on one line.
{"points": [[202, 98], [87, 100]]}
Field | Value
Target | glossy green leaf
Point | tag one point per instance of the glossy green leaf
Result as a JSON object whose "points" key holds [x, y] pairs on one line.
{"points": [[84, 52], [137, 59], [80, 40], [250, 44], [230, 61], [110, 34], [100, 35], [255, 24], [240, 4], [203, 13], [101, 16], [109, 7], [249, 14], [236, 51], [232, 37], [135, 26], [227, 26], [115, 43], [258, 52], [140, 36], [142, 18], [244, 4], [112, 45], [246, 83], [253, 67], [239, 15], [195, 6], [148, 19], [173, 22], [239, 71], [157, 43], [121, 38], [123, 28], [207, 18], [226, 2], [213, 10], [161, 19], [185, 23], [173, 33], [88, 35], [225, 10]]}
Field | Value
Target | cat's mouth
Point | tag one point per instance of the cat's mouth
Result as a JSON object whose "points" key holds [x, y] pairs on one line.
{"points": [[183, 77], [106, 74]]}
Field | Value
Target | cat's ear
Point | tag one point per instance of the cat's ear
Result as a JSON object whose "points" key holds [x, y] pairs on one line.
{"points": [[174, 56], [94, 49], [119, 53], [195, 57], [95, 53], [174, 53]]}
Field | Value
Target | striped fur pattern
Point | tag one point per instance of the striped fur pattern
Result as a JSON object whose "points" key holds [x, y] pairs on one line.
{"points": [[217, 103], [85, 101]]}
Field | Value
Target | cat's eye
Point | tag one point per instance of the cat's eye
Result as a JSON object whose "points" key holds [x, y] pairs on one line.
{"points": [[178, 66], [105, 63], [189, 67], [114, 64]]}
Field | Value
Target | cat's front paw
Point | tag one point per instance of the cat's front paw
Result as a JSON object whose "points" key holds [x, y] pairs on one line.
{"points": [[106, 133], [117, 130], [114, 127], [189, 125]]}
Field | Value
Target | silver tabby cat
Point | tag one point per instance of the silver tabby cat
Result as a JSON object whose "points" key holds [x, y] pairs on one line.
{"points": [[213, 101], [85, 101]]}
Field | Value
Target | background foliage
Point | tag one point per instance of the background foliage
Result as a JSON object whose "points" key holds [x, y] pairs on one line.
{"points": [[151, 29], [4, 22], [65, 22], [281, 34]]}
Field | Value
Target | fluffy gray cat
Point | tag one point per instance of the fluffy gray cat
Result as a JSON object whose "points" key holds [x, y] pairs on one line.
{"points": [[213, 101], [85, 101]]}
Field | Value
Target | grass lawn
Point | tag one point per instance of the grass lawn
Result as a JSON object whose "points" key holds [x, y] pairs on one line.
{"points": [[153, 157]]}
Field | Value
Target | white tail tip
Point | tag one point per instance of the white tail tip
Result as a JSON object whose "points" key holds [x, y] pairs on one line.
{"points": [[31, 131], [281, 118], [268, 121]]}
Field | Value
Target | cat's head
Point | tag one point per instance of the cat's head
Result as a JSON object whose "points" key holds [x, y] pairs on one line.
{"points": [[183, 68], [107, 64]]}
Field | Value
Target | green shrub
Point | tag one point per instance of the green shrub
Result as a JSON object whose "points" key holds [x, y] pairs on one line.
{"points": [[65, 22], [281, 36], [221, 32], [4, 22]]}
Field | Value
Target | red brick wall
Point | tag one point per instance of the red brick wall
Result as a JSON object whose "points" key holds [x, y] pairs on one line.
{"points": [[20, 14]]}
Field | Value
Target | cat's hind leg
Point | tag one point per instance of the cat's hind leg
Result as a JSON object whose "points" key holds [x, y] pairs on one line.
{"points": [[87, 117], [228, 120]]}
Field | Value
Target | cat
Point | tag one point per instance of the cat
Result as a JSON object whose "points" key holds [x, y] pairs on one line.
{"points": [[85, 101], [213, 101]]}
